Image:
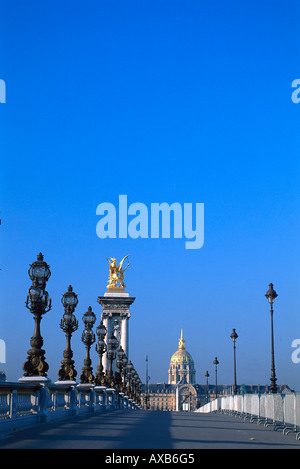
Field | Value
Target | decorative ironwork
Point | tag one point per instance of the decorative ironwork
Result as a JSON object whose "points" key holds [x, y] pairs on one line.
{"points": [[118, 379], [129, 376], [88, 338], [234, 337], [216, 362], [101, 348], [69, 325], [38, 303], [112, 344], [207, 386], [271, 295]]}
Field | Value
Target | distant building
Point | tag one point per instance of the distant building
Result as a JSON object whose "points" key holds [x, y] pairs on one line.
{"points": [[162, 396], [182, 392]]}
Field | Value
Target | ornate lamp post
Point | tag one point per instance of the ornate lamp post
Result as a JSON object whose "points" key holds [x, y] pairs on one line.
{"points": [[271, 295], [129, 370], [215, 362], [100, 349], [234, 337], [124, 372], [112, 344], [147, 384], [88, 338], [137, 389], [38, 304], [207, 387], [140, 391], [120, 364], [134, 376], [68, 324]]}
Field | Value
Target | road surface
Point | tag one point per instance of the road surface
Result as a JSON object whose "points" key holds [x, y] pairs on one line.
{"points": [[149, 430]]}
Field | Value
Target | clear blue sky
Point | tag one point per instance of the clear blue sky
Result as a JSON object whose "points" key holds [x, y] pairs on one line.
{"points": [[165, 101]]}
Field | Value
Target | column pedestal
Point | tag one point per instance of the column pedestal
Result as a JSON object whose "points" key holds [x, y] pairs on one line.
{"points": [[115, 315]]}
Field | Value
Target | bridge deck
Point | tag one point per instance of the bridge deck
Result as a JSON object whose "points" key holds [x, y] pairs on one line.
{"points": [[150, 430]]}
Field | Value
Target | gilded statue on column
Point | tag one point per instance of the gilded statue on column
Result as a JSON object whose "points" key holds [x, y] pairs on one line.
{"points": [[116, 274]]}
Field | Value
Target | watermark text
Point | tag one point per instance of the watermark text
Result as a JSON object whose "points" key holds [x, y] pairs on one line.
{"points": [[296, 353], [160, 220], [296, 94], [2, 351], [2, 91]]}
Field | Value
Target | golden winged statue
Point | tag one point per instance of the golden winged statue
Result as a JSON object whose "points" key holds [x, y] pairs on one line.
{"points": [[116, 273]]}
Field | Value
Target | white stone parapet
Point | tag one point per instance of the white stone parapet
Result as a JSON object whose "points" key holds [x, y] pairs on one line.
{"points": [[282, 411], [28, 404]]}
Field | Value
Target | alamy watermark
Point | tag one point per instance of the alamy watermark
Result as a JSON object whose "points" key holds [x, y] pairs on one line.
{"points": [[296, 353], [296, 94], [2, 91], [2, 351], [160, 220]]}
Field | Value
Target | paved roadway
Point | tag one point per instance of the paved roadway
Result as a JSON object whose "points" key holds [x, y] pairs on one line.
{"points": [[150, 430]]}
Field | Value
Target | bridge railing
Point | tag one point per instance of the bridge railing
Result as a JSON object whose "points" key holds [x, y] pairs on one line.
{"points": [[23, 405], [282, 411]]}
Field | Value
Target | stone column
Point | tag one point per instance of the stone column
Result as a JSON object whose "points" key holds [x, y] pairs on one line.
{"points": [[115, 316], [125, 332]]}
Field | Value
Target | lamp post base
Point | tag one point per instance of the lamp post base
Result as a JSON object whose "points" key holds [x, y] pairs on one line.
{"points": [[66, 382], [34, 379]]}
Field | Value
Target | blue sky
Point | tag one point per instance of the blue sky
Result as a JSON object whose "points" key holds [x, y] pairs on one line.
{"points": [[165, 102]]}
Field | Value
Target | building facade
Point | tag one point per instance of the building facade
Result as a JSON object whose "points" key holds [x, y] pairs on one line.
{"points": [[182, 393]]}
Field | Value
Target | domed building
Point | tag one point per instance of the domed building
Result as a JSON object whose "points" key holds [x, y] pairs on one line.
{"points": [[182, 368], [182, 393]]}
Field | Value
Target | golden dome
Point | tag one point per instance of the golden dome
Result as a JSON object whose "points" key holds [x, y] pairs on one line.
{"points": [[181, 356]]}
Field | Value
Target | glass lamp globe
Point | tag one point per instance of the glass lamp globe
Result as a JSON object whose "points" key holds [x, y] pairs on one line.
{"points": [[39, 270]]}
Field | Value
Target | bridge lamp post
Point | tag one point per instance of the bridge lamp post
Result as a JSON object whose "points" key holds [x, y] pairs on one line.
{"points": [[234, 337], [134, 382], [139, 388], [118, 373], [38, 304], [197, 396], [129, 370], [132, 378], [69, 325], [271, 295], [112, 344], [88, 338], [207, 387], [101, 348], [215, 362], [124, 371]]}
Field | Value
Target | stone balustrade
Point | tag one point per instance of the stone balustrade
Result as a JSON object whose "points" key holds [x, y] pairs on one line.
{"points": [[282, 411], [24, 405]]}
